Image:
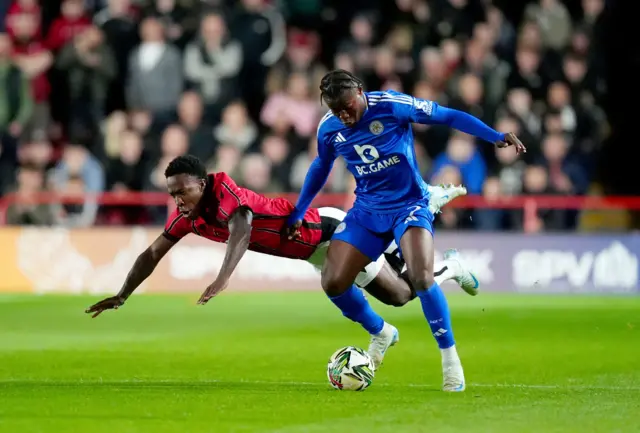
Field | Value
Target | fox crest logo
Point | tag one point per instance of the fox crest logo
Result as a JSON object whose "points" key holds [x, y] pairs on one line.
{"points": [[376, 127]]}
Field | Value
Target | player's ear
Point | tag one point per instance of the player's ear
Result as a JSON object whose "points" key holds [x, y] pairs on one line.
{"points": [[203, 184]]}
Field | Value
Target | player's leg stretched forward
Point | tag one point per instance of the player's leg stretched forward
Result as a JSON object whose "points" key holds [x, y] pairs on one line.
{"points": [[417, 248], [341, 267], [388, 281]]}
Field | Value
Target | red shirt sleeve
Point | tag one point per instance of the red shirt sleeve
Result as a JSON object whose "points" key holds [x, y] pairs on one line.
{"points": [[177, 227], [230, 196]]}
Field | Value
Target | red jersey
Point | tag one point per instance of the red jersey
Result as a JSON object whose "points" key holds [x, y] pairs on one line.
{"points": [[223, 197], [40, 87], [63, 30]]}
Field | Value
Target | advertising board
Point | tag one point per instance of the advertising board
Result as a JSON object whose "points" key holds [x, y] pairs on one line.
{"points": [[97, 260]]}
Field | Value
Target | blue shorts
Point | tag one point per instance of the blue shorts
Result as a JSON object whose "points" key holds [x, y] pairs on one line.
{"points": [[371, 233]]}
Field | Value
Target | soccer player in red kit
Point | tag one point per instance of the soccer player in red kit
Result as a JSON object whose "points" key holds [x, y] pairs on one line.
{"points": [[222, 199], [214, 207]]}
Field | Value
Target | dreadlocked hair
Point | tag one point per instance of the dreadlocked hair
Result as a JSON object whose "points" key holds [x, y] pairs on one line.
{"points": [[187, 164], [335, 82]]}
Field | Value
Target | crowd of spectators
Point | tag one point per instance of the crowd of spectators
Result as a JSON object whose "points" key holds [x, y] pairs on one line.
{"points": [[98, 95]]}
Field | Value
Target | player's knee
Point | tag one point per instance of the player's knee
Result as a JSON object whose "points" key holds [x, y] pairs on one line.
{"points": [[421, 280], [333, 285]]}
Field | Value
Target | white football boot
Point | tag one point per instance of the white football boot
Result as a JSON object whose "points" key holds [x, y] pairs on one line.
{"points": [[440, 195], [464, 277], [381, 341], [452, 373]]}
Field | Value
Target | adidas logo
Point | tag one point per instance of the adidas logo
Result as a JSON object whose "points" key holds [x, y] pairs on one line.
{"points": [[340, 138], [440, 332]]}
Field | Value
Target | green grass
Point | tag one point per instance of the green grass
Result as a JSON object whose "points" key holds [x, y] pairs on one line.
{"points": [[256, 363]]}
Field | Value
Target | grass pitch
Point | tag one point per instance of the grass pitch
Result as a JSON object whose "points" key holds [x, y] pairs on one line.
{"points": [[256, 363]]}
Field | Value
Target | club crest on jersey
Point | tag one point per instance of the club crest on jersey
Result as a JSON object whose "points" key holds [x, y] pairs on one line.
{"points": [[340, 228], [376, 127]]}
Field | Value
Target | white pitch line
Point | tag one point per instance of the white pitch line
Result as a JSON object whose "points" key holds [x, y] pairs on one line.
{"points": [[151, 382]]}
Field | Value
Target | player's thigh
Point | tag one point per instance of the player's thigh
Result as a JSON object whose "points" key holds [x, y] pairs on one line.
{"points": [[319, 256], [393, 257], [413, 231], [370, 272], [341, 267], [352, 248], [417, 251], [389, 287]]}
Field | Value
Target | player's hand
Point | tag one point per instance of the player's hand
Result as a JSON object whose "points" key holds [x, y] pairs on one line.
{"points": [[510, 139], [214, 289], [293, 231], [112, 303]]}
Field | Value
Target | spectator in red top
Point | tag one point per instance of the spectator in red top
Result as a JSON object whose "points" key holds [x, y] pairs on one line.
{"points": [[33, 58], [71, 23], [20, 7]]}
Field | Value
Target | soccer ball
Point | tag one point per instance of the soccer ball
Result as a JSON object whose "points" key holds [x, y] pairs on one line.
{"points": [[350, 368]]}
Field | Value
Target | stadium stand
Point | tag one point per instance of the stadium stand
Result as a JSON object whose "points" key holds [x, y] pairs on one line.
{"points": [[101, 94]]}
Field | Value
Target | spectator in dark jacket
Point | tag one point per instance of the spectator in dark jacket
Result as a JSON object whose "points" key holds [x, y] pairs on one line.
{"points": [[90, 66], [16, 108], [16, 103]]}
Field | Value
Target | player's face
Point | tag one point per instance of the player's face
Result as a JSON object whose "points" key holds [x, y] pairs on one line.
{"points": [[349, 108], [187, 191]]}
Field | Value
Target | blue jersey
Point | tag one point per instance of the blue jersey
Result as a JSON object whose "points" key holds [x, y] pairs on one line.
{"points": [[379, 150]]}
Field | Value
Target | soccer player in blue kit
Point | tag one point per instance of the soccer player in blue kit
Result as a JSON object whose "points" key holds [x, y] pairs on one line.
{"points": [[372, 132]]}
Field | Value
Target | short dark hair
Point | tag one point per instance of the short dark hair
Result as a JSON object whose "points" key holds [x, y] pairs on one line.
{"points": [[187, 164], [335, 82]]}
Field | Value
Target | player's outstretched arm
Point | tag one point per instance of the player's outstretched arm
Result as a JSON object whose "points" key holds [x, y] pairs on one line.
{"points": [[469, 124], [142, 268], [428, 112], [238, 244], [314, 181]]}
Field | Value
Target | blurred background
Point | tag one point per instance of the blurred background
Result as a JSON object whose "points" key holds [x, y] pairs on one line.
{"points": [[98, 95]]}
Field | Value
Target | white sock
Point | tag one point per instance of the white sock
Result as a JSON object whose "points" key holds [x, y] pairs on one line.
{"points": [[450, 355], [445, 270]]}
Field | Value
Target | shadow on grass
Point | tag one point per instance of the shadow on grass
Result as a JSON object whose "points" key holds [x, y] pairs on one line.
{"points": [[228, 385]]}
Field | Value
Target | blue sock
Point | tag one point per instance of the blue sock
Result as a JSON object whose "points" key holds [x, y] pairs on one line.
{"points": [[355, 306], [436, 310]]}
